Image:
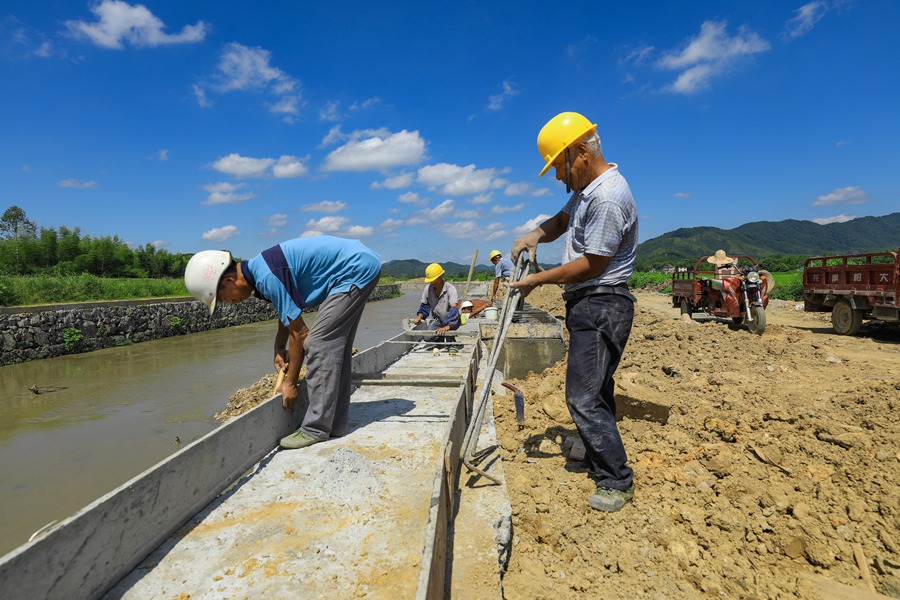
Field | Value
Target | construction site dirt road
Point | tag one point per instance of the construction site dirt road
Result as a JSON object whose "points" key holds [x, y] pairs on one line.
{"points": [[765, 466]]}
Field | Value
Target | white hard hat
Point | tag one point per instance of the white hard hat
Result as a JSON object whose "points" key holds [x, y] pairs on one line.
{"points": [[202, 275], [465, 304]]}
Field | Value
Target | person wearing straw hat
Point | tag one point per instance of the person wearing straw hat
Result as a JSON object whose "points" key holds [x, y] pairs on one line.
{"points": [[600, 225], [724, 264], [440, 301], [503, 269], [335, 274]]}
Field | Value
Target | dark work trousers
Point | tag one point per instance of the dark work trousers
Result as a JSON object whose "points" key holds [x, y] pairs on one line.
{"points": [[329, 350], [598, 326]]}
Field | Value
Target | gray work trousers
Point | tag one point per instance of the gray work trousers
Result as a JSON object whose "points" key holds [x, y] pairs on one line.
{"points": [[328, 349]]}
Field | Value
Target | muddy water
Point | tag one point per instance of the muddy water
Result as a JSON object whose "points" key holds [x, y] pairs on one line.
{"points": [[116, 412]]}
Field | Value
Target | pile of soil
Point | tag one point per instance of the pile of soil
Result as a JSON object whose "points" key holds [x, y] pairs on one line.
{"points": [[761, 464]]}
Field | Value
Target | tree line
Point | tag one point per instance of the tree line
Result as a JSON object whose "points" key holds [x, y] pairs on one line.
{"points": [[26, 249]]}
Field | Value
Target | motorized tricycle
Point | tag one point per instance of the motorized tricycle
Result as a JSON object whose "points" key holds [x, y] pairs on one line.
{"points": [[737, 288]]}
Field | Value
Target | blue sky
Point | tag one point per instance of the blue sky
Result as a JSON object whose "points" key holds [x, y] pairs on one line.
{"points": [[412, 125]]}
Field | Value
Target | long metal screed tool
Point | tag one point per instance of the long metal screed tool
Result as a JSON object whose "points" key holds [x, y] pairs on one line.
{"points": [[470, 457]]}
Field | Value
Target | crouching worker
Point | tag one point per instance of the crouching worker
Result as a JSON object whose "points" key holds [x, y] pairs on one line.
{"points": [[439, 301], [336, 274]]}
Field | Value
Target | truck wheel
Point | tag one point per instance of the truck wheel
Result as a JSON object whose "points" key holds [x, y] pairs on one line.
{"points": [[686, 307], [758, 324], [845, 319]]}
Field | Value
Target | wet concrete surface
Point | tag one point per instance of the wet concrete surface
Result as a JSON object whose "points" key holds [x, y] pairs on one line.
{"points": [[105, 416]]}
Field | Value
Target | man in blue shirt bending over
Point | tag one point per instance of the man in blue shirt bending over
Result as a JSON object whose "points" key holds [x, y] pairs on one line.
{"points": [[336, 274]]}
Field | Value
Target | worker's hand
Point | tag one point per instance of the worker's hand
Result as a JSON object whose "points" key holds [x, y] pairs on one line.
{"points": [[288, 394], [281, 361], [493, 298], [527, 242], [442, 330], [524, 285], [417, 320]]}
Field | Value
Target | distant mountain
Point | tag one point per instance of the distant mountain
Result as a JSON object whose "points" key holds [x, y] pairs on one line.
{"points": [[765, 238], [411, 268]]}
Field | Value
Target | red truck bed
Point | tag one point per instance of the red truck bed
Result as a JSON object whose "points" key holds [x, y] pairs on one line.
{"points": [[868, 283]]}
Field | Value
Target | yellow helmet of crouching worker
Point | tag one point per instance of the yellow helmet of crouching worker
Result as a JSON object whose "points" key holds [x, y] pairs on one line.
{"points": [[559, 133], [432, 272], [495, 253]]}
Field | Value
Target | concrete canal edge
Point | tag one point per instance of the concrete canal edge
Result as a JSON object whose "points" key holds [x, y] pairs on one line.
{"points": [[34, 332], [466, 538]]}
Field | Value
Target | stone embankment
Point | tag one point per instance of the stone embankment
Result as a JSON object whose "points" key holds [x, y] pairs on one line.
{"points": [[29, 333]]}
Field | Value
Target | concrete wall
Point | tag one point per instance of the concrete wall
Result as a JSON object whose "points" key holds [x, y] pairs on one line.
{"points": [[29, 333]]}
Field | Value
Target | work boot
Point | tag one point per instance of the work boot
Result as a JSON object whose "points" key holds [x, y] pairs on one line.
{"points": [[610, 500], [298, 439]]}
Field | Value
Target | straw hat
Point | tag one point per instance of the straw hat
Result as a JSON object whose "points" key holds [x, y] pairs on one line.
{"points": [[720, 258]]}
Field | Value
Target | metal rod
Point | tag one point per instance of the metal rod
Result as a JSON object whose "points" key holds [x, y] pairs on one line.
{"points": [[469, 280], [470, 442]]}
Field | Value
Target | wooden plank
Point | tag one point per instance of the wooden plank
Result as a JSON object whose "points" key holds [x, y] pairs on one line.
{"points": [[832, 590]]}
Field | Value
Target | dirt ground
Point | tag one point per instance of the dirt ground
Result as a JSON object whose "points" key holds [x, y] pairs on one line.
{"points": [[758, 461]]}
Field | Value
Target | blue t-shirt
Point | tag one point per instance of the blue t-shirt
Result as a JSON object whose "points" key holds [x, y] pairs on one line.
{"points": [[305, 271], [504, 267]]}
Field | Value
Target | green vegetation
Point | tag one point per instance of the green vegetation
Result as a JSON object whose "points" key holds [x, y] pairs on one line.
{"points": [[788, 286], [44, 289], [779, 246], [71, 337], [175, 321], [26, 249]]}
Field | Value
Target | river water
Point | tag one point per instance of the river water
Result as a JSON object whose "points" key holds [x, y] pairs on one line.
{"points": [[119, 411]]}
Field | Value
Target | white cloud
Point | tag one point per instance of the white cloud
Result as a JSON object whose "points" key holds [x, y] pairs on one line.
{"points": [[501, 210], [225, 193], [377, 152], [289, 167], [220, 234], [162, 155], [482, 198], [530, 224], [327, 206], [160, 244], [439, 212], [846, 195], [393, 183], [412, 198], [242, 68], [459, 181], [497, 101], [525, 189], [367, 103], [243, 166], [710, 54], [391, 224], [77, 184], [805, 19], [277, 220], [580, 49], [329, 112], [835, 219], [681, 195], [120, 22], [338, 226]]}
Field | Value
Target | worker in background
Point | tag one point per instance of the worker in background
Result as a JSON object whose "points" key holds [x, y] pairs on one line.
{"points": [[503, 269], [336, 274], [439, 301], [600, 224], [725, 266], [471, 308]]}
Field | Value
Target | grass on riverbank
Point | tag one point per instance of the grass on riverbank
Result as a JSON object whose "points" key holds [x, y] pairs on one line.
{"points": [[42, 289]]}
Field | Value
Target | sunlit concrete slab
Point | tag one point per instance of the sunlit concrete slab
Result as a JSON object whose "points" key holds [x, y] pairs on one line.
{"points": [[351, 517]]}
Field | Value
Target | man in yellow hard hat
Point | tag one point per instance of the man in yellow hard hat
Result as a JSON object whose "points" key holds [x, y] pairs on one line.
{"points": [[503, 269], [439, 301], [600, 224]]}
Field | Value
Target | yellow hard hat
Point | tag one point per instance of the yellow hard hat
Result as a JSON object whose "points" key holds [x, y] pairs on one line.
{"points": [[495, 253], [560, 132], [432, 272]]}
